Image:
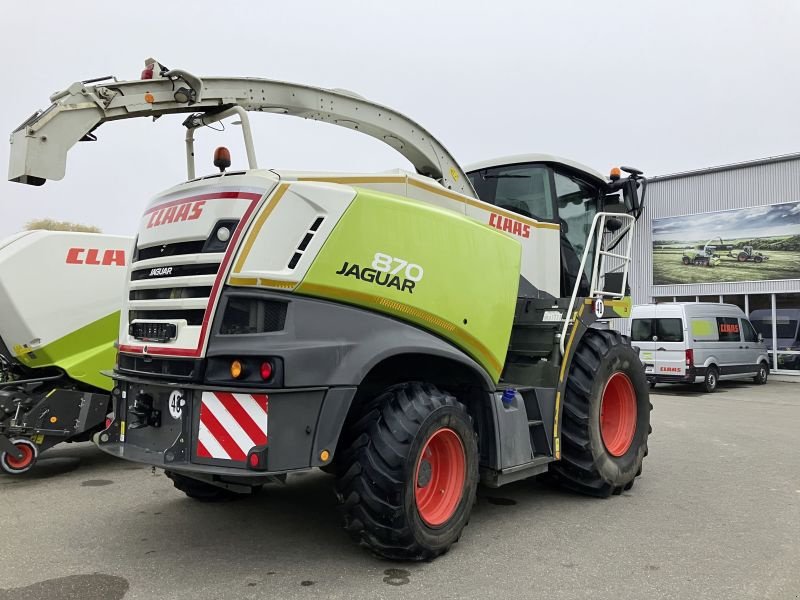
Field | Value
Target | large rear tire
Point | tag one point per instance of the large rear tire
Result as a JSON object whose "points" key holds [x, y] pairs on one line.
{"points": [[410, 475], [606, 417]]}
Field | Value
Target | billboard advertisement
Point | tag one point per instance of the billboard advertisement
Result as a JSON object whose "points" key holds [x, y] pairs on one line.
{"points": [[760, 243]]}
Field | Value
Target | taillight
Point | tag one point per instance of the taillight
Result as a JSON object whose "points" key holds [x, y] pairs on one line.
{"points": [[266, 370], [690, 358]]}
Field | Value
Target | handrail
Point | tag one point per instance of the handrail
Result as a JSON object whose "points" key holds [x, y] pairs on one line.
{"points": [[595, 238]]}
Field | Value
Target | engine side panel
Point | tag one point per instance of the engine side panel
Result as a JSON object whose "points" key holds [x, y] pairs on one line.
{"points": [[419, 263]]}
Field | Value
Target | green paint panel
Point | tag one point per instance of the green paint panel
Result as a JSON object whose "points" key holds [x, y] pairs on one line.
{"points": [[469, 272], [82, 353]]}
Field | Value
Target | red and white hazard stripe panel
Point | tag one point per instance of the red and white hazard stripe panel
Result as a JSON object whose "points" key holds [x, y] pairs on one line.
{"points": [[231, 424]]}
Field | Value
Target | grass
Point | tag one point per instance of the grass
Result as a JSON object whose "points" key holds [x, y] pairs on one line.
{"points": [[668, 268]]}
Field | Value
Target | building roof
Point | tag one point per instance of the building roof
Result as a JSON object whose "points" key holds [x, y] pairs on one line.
{"points": [[729, 167]]}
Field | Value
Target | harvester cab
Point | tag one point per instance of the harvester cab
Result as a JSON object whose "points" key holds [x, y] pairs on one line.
{"points": [[410, 332]]}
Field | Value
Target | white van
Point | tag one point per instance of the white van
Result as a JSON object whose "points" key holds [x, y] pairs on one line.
{"points": [[697, 342]]}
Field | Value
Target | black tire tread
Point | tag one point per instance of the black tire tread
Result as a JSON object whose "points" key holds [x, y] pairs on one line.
{"points": [[576, 470], [372, 469]]}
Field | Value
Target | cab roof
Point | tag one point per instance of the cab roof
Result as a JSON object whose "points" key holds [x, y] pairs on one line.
{"points": [[537, 158]]}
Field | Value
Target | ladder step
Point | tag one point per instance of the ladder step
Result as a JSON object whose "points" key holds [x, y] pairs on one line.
{"points": [[535, 423], [615, 255]]}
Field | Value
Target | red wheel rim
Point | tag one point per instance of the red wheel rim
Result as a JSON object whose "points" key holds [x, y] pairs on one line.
{"points": [[439, 477], [27, 457], [618, 414]]}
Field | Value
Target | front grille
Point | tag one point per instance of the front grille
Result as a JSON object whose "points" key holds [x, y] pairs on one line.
{"points": [[173, 286], [245, 314], [163, 272], [172, 367], [169, 293], [176, 249]]}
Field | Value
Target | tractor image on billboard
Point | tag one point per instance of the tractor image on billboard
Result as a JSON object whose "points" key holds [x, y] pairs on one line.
{"points": [[412, 333]]}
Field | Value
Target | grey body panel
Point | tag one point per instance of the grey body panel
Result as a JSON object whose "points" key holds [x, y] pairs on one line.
{"points": [[300, 421], [332, 344]]}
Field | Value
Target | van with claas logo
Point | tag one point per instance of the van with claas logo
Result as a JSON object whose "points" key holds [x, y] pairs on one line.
{"points": [[698, 342]]}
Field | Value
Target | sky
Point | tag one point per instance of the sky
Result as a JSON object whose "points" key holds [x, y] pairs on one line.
{"points": [[663, 86], [756, 222]]}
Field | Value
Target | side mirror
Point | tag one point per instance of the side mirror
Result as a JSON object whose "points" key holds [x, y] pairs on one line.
{"points": [[760, 338], [630, 195]]}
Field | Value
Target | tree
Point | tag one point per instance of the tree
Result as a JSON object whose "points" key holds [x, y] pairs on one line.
{"points": [[52, 225]]}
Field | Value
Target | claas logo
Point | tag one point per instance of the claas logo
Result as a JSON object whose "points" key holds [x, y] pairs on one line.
{"points": [[187, 211], [510, 225], [729, 328], [95, 256]]}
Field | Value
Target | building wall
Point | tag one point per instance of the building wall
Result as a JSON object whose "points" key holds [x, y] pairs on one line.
{"points": [[756, 183]]}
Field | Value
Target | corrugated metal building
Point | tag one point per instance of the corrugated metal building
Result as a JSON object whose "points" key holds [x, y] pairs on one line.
{"points": [[748, 185]]}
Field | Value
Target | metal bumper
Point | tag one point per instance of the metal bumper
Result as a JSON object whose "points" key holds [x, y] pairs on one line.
{"points": [[213, 431], [691, 376]]}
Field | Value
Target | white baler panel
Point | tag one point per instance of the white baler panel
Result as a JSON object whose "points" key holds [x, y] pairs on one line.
{"points": [[53, 283], [291, 216]]}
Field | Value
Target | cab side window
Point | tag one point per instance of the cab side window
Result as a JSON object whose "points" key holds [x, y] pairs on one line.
{"points": [[524, 189], [750, 334], [577, 206], [728, 329]]}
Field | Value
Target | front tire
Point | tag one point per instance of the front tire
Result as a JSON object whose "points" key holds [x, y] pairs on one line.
{"points": [[606, 419], [763, 373], [411, 473], [711, 380]]}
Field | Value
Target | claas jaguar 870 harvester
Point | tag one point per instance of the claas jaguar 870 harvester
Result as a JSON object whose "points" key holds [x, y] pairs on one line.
{"points": [[413, 333]]}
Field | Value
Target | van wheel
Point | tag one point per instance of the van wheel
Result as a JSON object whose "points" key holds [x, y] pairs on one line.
{"points": [[763, 373], [711, 380]]}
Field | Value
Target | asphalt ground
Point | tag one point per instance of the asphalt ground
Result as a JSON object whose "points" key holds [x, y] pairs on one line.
{"points": [[716, 514]]}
